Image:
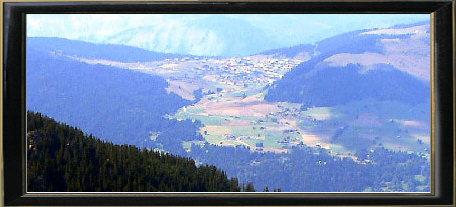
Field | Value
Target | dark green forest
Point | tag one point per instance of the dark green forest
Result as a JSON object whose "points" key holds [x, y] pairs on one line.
{"points": [[61, 158]]}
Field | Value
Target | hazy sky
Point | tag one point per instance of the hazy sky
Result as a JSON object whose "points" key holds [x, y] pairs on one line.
{"points": [[289, 29]]}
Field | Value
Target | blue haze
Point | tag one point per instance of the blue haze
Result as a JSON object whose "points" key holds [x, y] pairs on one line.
{"points": [[198, 35]]}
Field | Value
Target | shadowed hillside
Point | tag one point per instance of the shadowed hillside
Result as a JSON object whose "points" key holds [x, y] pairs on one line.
{"points": [[384, 64], [121, 105]]}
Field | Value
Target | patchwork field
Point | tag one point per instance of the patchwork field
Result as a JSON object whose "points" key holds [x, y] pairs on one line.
{"points": [[233, 112], [276, 127]]}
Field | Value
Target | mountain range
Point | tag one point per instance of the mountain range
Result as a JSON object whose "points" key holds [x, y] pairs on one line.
{"points": [[205, 37]]}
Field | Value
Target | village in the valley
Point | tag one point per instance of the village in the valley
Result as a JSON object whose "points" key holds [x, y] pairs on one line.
{"points": [[228, 99]]}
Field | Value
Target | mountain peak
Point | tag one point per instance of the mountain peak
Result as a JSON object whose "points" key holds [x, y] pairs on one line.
{"points": [[214, 36]]}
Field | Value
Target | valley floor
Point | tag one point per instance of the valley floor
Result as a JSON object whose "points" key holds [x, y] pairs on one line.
{"points": [[228, 97]]}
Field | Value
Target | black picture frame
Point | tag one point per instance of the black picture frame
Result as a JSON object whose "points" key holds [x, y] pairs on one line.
{"points": [[14, 111]]}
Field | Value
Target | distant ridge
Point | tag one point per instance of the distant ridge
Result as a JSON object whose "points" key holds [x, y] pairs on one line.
{"points": [[88, 50], [291, 52]]}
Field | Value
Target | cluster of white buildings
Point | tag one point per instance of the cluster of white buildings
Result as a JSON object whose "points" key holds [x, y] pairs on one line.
{"points": [[245, 70]]}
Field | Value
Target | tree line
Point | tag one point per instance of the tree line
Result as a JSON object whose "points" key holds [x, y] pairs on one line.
{"points": [[309, 169]]}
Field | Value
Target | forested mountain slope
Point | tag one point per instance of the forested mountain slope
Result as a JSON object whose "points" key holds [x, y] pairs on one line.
{"points": [[61, 158], [121, 105], [381, 64]]}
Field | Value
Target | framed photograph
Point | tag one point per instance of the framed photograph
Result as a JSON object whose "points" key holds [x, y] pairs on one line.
{"points": [[223, 103]]}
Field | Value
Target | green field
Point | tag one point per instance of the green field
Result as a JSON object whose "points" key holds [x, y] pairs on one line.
{"points": [[346, 128], [367, 124]]}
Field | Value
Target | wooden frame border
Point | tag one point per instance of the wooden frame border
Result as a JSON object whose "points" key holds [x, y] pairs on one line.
{"points": [[12, 150]]}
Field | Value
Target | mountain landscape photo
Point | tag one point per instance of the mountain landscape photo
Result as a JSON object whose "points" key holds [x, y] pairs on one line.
{"points": [[225, 103]]}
